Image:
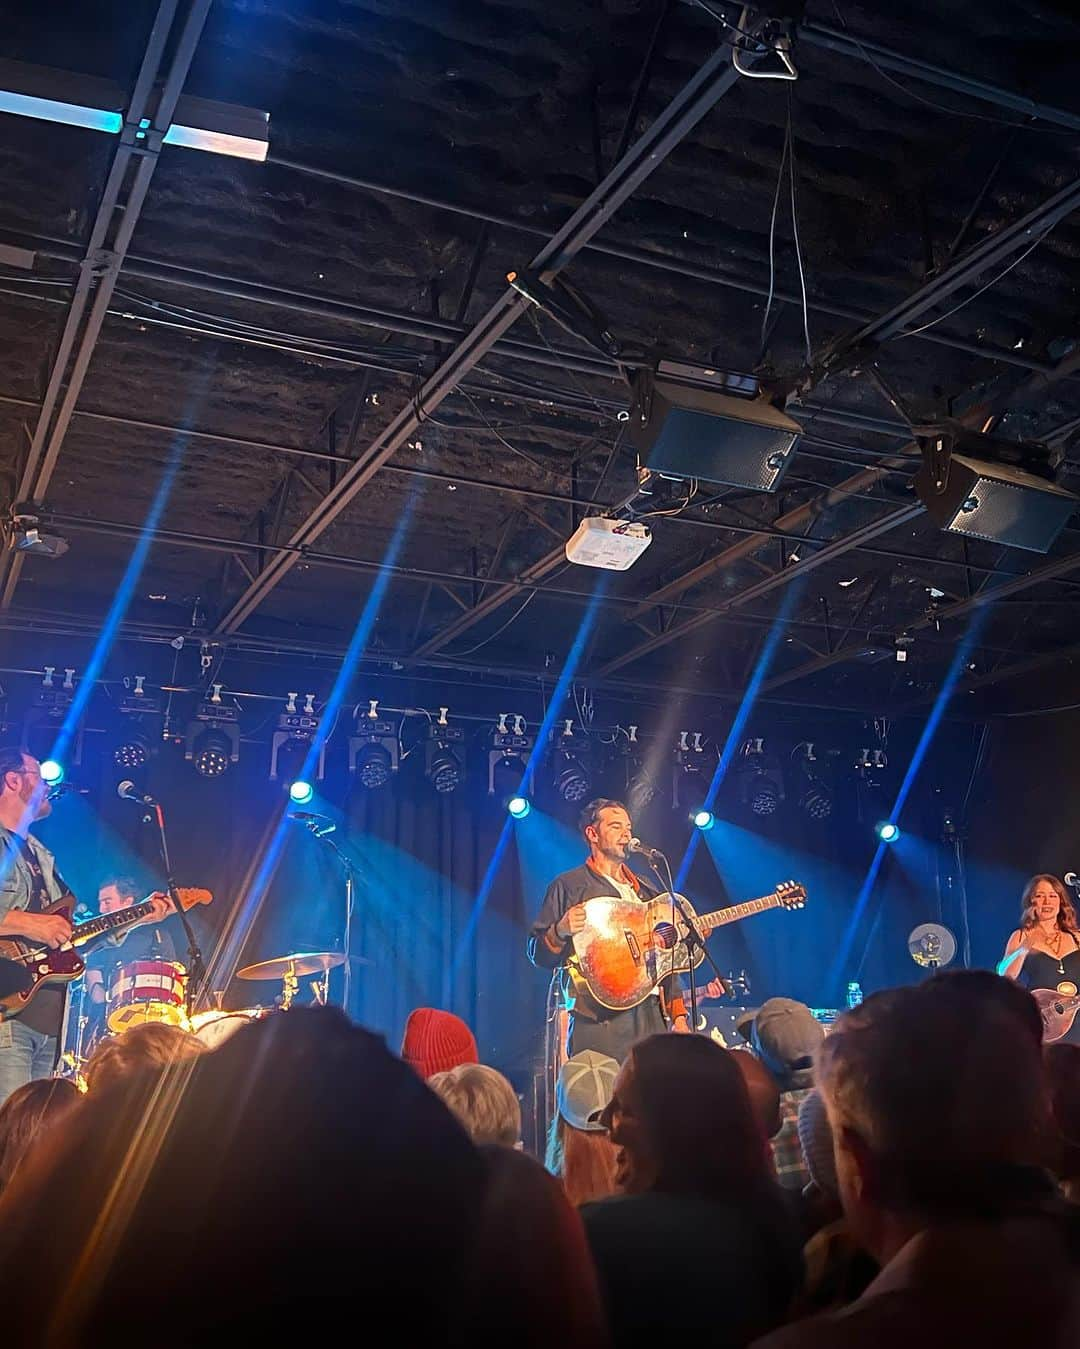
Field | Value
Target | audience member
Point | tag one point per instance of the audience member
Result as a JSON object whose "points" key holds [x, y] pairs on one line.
{"points": [[764, 1091], [536, 1283], [700, 1239], [152, 1046], [1063, 1079], [836, 1270], [436, 1041], [483, 1100], [27, 1114], [579, 1150], [784, 1035], [939, 1159], [299, 1175]]}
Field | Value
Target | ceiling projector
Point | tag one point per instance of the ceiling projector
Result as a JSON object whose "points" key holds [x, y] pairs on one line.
{"points": [[612, 544]]}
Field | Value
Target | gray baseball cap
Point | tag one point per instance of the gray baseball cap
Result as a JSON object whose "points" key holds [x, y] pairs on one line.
{"points": [[585, 1086]]}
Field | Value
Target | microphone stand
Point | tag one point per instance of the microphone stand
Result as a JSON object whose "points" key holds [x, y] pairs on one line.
{"points": [[349, 868], [693, 936], [196, 967]]}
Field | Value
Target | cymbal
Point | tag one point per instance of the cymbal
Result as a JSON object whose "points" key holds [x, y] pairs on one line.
{"points": [[299, 963]]}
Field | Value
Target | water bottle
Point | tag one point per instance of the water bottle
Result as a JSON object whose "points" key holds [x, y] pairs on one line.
{"points": [[854, 994]]}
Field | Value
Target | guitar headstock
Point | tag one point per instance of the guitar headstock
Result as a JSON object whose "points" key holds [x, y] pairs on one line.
{"points": [[791, 894], [190, 897]]}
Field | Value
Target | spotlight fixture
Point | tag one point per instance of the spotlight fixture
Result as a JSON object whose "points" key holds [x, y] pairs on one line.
{"points": [[815, 795], [212, 738], [25, 534], [508, 757], [291, 743], [691, 761], [519, 807], [47, 715], [52, 772], [444, 756], [374, 751], [703, 820], [571, 769], [761, 786], [692, 422], [985, 487], [887, 831], [140, 730], [301, 793]]}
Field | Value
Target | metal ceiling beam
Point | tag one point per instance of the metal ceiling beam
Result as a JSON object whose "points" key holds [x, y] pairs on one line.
{"points": [[766, 585], [988, 252], [145, 124], [847, 44], [689, 106]]}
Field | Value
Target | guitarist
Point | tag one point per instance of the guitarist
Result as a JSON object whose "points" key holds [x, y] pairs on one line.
{"points": [[607, 830], [29, 883]]}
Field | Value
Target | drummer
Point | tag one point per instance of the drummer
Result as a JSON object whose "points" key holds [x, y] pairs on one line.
{"points": [[150, 941]]}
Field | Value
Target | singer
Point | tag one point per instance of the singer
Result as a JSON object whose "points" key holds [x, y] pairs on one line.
{"points": [[1044, 951], [607, 830]]}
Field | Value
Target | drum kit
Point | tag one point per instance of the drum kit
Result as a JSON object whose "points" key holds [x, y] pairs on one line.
{"points": [[144, 991]]}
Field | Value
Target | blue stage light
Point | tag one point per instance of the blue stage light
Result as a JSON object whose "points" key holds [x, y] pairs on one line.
{"points": [[519, 807], [887, 831], [704, 819], [301, 792], [52, 773]]}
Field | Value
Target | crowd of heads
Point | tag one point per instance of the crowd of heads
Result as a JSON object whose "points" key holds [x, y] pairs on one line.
{"points": [[306, 1165]]}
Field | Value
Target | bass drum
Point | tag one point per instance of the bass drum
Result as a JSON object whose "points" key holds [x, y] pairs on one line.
{"points": [[214, 1027], [147, 990]]}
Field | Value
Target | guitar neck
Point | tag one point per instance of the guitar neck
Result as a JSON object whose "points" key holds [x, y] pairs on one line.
{"points": [[720, 917], [110, 922]]}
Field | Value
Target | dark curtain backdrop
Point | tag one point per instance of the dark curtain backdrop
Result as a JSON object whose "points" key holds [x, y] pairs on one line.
{"points": [[439, 923]]}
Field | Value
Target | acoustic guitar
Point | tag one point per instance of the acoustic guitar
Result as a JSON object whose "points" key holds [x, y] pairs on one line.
{"points": [[1058, 1012], [62, 965], [628, 947]]}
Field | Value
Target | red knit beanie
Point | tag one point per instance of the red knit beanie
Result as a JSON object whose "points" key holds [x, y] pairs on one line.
{"points": [[437, 1041]]}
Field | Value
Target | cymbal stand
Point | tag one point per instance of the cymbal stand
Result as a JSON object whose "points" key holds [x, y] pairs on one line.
{"points": [[322, 833]]}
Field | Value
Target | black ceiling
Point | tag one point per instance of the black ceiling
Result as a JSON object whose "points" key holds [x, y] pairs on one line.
{"points": [[287, 311]]}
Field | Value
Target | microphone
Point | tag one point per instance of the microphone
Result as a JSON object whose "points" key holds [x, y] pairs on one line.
{"points": [[636, 845], [127, 791], [1072, 880], [318, 824]]}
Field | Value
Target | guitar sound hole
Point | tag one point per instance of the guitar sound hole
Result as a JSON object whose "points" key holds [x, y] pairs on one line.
{"points": [[666, 935]]}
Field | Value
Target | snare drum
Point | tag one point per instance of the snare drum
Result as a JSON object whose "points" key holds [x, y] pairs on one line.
{"points": [[214, 1027], [147, 990]]}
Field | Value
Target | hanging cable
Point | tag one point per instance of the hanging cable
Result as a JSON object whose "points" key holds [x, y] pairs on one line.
{"points": [[792, 174]]}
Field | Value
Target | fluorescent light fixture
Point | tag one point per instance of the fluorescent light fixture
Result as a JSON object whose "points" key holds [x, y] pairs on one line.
{"points": [[84, 101], [54, 110]]}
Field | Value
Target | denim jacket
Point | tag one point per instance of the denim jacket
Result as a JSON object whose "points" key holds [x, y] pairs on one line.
{"points": [[16, 880]]}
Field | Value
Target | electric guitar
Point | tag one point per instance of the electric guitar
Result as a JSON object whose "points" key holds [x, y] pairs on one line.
{"points": [[627, 947], [1058, 1012], [45, 965]]}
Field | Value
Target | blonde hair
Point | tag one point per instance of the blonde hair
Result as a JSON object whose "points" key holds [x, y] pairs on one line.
{"points": [[483, 1100], [153, 1046]]}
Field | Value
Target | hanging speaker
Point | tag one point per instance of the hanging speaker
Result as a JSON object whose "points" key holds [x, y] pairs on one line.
{"points": [[693, 427], [997, 502]]}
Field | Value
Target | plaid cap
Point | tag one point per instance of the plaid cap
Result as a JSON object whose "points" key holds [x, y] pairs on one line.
{"points": [[585, 1085]]}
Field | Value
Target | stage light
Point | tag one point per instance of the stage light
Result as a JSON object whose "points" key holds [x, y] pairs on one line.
{"points": [[887, 831], [290, 745], [52, 773], [301, 792], [691, 762], [132, 750], [519, 807], [508, 757], [572, 780], [212, 738], [444, 755], [704, 820], [373, 765], [761, 786], [815, 797], [211, 753]]}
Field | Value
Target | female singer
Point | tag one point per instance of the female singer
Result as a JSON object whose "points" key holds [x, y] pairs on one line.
{"points": [[1044, 952]]}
